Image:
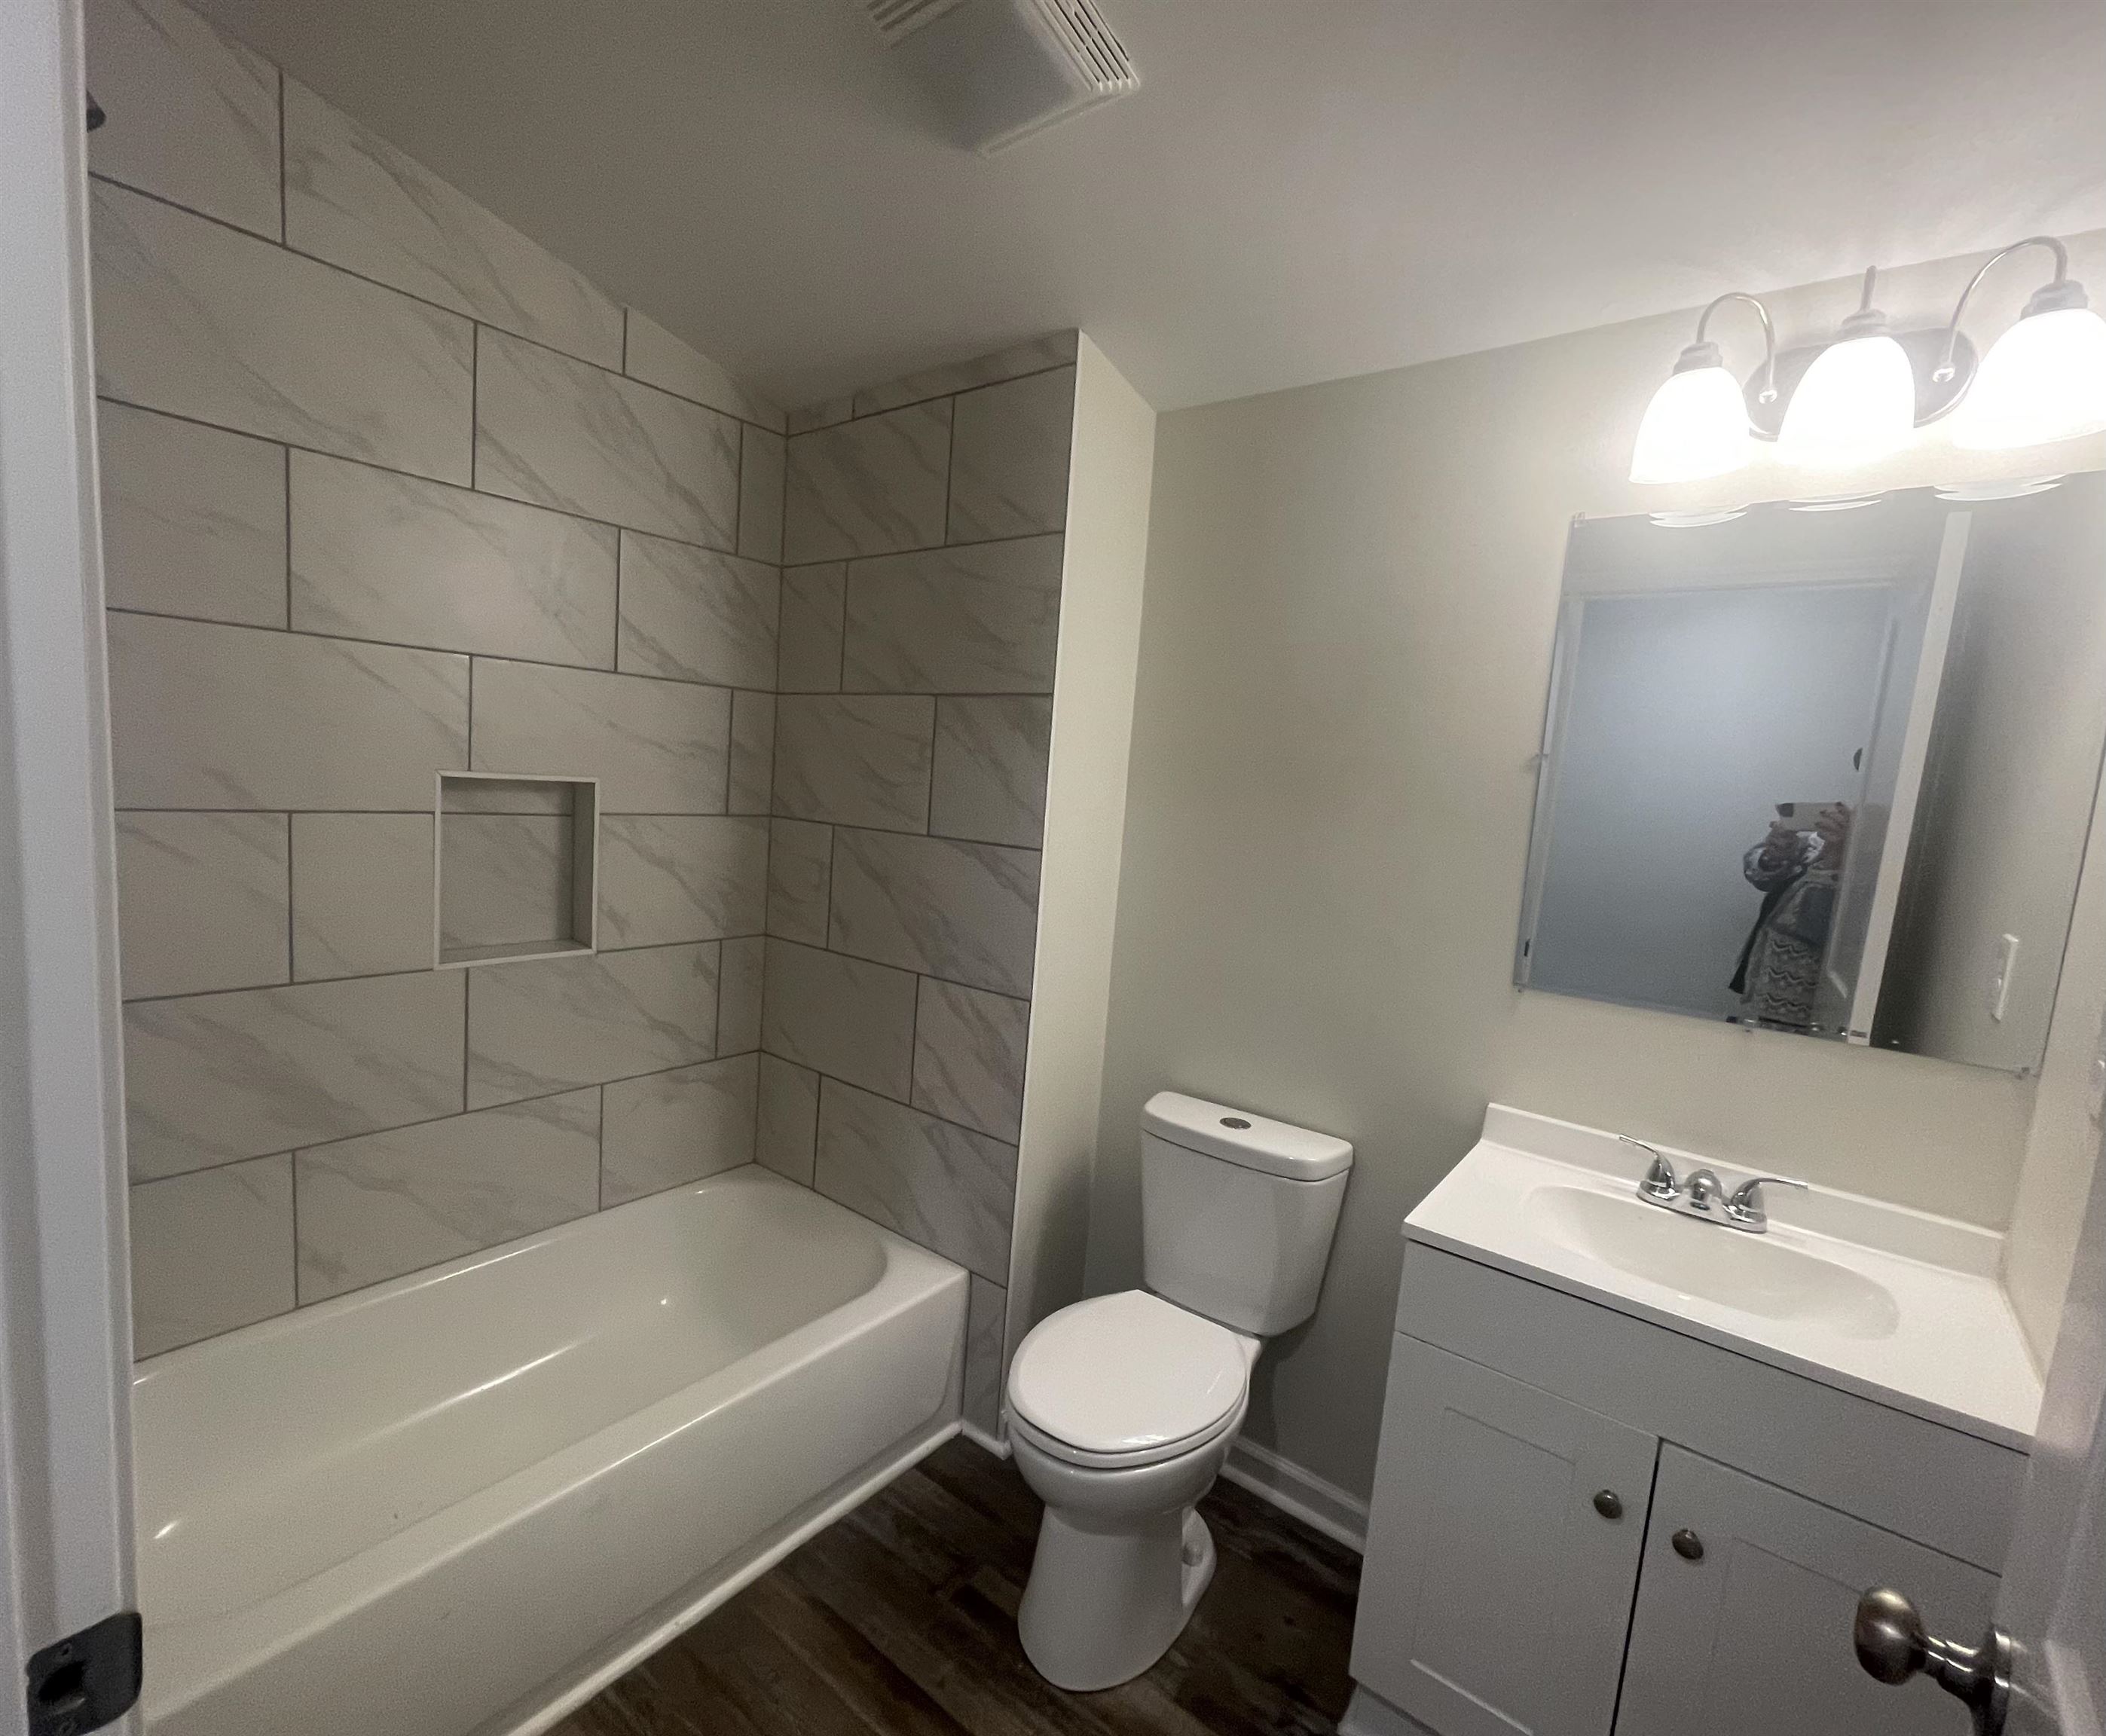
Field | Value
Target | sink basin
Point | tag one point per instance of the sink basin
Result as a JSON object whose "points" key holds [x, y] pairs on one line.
{"points": [[1729, 1267]]}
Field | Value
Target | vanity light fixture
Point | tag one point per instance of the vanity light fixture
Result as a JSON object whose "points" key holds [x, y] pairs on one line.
{"points": [[1697, 425], [1857, 401], [2044, 379], [1857, 396]]}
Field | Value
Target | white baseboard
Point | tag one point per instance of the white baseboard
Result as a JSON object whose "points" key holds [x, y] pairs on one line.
{"points": [[982, 1439], [1341, 1517]]}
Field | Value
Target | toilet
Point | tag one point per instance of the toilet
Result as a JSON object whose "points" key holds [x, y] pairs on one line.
{"points": [[1121, 1409]]}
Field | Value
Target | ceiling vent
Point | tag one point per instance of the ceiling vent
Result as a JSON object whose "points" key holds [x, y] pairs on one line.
{"points": [[1003, 69]]}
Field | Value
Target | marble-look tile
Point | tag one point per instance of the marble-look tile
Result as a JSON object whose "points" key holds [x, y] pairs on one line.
{"points": [[354, 199], [694, 614], [671, 1127], [202, 321], [968, 1050], [810, 658], [210, 1251], [546, 1023], [854, 761], [966, 912], [989, 780], [1035, 355], [787, 1136], [741, 978], [200, 902], [505, 879], [373, 1208], [752, 788], [520, 795], [361, 893], [193, 518], [842, 1016], [824, 414], [375, 555], [984, 619], [987, 1308], [800, 865], [760, 467], [1009, 460], [209, 716], [667, 878], [658, 358], [561, 433], [656, 746], [949, 1189], [211, 1078], [190, 115], [868, 488]]}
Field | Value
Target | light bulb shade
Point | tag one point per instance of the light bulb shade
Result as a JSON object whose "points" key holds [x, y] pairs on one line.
{"points": [[2044, 380], [1856, 403], [1695, 426]]}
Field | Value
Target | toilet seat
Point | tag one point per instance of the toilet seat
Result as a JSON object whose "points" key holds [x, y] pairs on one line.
{"points": [[1127, 1380]]}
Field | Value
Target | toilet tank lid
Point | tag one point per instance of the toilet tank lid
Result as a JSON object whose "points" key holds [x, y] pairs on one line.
{"points": [[1236, 1136]]}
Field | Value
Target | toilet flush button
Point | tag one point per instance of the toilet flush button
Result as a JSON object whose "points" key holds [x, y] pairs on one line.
{"points": [[1237, 1122]]}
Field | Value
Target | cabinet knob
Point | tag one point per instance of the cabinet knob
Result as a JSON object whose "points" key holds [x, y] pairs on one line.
{"points": [[1687, 1544], [1609, 1504]]}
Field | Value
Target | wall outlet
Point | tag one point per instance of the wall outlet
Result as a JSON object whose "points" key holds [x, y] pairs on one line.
{"points": [[2000, 981]]}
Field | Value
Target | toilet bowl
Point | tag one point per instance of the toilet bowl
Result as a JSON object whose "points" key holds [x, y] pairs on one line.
{"points": [[1121, 1410]]}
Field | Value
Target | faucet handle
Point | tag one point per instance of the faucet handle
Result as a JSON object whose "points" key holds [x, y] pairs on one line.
{"points": [[1745, 1207], [1660, 1183]]}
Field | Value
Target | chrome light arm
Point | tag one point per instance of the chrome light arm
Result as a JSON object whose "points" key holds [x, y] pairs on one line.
{"points": [[2058, 292]]}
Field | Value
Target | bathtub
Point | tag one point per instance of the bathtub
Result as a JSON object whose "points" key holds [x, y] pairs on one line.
{"points": [[463, 1501]]}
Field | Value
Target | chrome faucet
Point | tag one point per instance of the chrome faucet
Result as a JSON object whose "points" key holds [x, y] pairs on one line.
{"points": [[1704, 1194]]}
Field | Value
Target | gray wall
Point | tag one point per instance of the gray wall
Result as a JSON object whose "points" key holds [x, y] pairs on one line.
{"points": [[1352, 593], [920, 614], [388, 491]]}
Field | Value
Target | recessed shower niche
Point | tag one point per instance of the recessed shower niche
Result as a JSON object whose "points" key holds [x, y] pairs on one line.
{"points": [[516, 859]]}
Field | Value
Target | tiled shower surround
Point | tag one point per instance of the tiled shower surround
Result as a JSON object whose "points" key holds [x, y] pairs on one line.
{"points": [[390, 491]]}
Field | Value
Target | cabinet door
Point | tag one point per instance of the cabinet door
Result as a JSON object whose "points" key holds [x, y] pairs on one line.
{"points": [[1495, 1596], [1753, 1638]]}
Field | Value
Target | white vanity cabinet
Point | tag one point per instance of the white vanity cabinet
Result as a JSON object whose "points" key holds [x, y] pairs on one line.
{"points": [[1586, 1522]]}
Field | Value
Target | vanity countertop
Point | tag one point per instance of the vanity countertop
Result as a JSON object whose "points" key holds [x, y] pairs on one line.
{"points": [[1896, 1305]]}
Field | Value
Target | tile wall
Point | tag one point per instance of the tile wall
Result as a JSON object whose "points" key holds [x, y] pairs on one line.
{"points": [[923, 544], [389, 490]]}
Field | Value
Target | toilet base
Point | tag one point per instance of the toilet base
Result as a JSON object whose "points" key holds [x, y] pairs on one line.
{"points": [[1103, 1606]]}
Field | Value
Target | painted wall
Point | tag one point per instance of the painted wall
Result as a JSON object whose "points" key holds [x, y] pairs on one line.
{"points": [[921, 617], [1352, 594]]}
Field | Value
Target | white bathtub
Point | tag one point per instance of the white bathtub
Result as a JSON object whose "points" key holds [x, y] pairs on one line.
{"points": [[462, 1501]]}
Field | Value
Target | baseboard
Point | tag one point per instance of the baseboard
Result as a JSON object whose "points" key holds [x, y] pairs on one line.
{"points": [[1322, 1505], [982, 1439]]}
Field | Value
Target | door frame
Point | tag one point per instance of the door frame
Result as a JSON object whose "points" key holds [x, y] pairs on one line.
{"points": [[65, 1336]]}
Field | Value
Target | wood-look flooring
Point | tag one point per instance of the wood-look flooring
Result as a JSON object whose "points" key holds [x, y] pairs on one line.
{"points": [[901, 1620]]}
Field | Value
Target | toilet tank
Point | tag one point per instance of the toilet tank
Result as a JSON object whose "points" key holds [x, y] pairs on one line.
{"points": [[1237, 1212]]}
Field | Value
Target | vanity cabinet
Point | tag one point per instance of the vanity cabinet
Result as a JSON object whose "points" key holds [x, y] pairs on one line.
{"points": [[1753, 1636], [1588, 1524]]}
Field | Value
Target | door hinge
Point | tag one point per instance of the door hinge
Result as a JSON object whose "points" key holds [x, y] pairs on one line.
{"points": [[86, 1680]]}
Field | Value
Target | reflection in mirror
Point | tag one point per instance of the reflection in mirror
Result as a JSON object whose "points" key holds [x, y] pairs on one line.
{"points": [[1826, 769]]}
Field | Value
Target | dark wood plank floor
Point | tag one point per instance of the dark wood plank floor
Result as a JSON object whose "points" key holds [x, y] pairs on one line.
{"points": [[901, 1620]]}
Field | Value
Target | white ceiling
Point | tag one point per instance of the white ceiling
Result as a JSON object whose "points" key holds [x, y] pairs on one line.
{"points": [[1301, 190]]}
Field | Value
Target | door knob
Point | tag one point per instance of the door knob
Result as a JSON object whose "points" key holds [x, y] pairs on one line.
{"points": [[1892, 1646]]}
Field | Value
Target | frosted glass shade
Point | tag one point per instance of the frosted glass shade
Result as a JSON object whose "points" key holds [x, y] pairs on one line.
{"points": [[1695, 426], [2044, 379], [1856, 403]]}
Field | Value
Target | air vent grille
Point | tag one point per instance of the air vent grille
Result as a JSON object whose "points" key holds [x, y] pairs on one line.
{"points": [[897, 18], [1100, 56]]}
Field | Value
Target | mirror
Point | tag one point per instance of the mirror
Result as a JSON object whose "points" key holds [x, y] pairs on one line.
{"points": [[1826, 767]]}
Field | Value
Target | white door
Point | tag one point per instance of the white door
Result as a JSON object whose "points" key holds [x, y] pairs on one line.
{"points": [[1504, 1547], [65, 1508], [1869, 897], [1742, 1624], [2051, 1606]]}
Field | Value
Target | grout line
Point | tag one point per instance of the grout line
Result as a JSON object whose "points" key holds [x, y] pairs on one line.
{"points": [[293, 1178], [423, 301], [288, 538], [599, 1132], [954, 391], [914, 1043], [474, 402], [468, 988], [950, 464], [738, 490], [283, 227], [292, 927]]}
